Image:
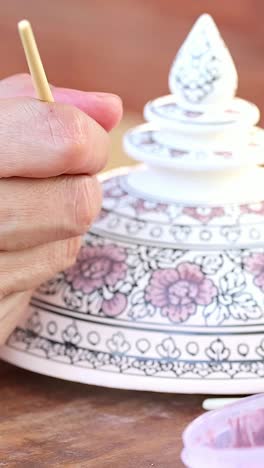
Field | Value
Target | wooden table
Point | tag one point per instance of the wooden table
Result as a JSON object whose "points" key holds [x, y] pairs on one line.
{"points": [[47, 422]]}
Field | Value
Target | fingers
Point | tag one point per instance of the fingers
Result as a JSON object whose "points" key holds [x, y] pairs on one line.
{"points": [[105, 108], [33, 266], [39, 211], [38, 139], [12, 309]]}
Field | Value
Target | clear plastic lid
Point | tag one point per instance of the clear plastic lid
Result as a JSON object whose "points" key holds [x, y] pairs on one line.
{"points": [[231, 437]]}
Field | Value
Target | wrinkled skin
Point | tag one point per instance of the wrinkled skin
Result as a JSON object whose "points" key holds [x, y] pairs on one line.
{"points": [[50, 154]]}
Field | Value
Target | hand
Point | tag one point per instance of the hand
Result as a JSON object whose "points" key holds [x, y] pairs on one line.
{"points": [[49, 195]]}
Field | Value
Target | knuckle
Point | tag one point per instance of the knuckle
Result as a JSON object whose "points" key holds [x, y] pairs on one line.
{"points": [[64, 254], [7, 280], [5, 290], [67, 132], [85, 198], [8, 284], [72, 248], [79, 142], [19, 80]]}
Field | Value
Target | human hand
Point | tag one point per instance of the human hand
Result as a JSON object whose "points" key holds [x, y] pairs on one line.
{"points": [[49, 195]]}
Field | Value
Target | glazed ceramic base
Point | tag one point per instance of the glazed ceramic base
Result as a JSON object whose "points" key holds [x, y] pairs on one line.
{"points": [[153, 384], [106, 354]]}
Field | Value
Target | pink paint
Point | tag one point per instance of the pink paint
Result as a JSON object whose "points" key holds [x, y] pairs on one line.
{"points": [[177, 292], [230, 437]]}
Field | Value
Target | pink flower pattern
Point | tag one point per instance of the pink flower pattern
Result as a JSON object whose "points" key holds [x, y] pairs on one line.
{"points": [[178, 292], [142, 206], [113, 191], [207, 215], [97, 267], [255, 264], [254, 208]]}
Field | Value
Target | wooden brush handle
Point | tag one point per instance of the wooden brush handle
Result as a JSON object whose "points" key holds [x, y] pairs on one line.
{"points": [[12, 309], [34, 62]]}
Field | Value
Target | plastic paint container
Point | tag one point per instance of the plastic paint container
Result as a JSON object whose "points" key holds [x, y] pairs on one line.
{"points": [[230, 437]]}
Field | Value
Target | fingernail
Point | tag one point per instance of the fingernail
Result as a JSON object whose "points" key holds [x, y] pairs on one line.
{"points": [[108, 96]]}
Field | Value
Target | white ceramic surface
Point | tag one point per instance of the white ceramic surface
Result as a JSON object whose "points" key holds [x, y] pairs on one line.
{"points": [[167, 293], [203, 67]]}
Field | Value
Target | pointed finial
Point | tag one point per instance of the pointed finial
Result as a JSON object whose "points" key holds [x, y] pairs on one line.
{"points": [[203, 72]]}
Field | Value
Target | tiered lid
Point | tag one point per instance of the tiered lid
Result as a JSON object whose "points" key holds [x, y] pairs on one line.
{"points": [[201, 125], [202, 184]]}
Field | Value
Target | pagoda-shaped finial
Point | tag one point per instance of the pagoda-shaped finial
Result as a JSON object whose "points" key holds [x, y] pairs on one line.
{"points": [[201, 126], [203, 72]]}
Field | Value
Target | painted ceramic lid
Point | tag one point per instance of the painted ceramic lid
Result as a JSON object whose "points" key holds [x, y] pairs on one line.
{"points": [[201, 184], [129, 215], [201, 125], [203, 71]]}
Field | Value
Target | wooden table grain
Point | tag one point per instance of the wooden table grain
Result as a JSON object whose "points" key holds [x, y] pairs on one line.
{"points": [[45, 422]]}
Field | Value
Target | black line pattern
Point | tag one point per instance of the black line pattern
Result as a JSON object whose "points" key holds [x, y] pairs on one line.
{"points": [[118, 361]]}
